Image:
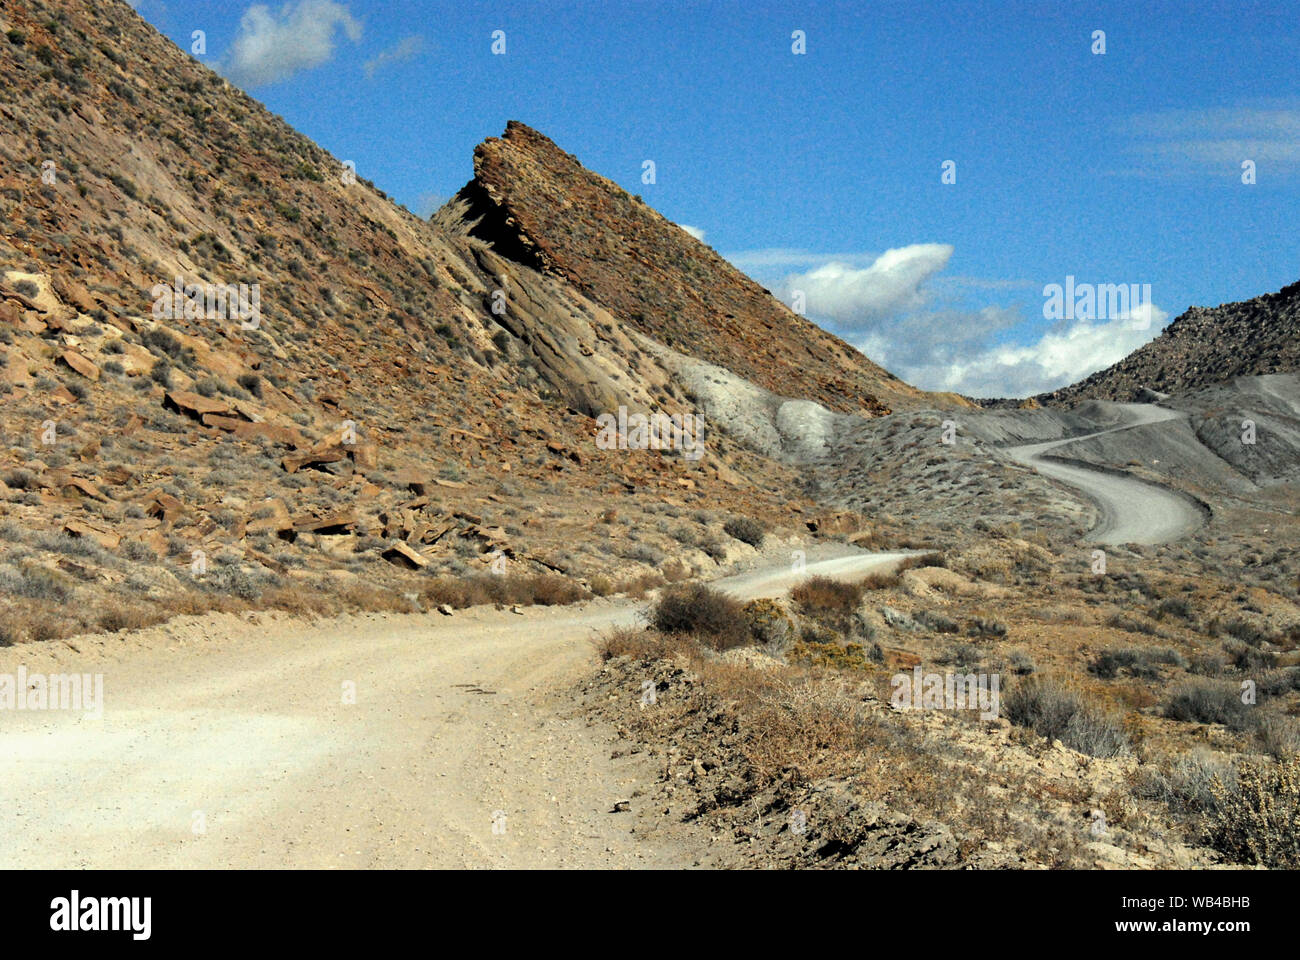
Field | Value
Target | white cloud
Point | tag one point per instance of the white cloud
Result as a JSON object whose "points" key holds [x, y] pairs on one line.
{"points": [[695, 232], [1056, 360], [274, 46], [857, 296], [899, 311], [790, 257], [404, 50]]}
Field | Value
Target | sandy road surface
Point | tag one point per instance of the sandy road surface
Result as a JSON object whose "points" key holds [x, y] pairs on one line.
{"points": [[1131, 511], [459, 724]]}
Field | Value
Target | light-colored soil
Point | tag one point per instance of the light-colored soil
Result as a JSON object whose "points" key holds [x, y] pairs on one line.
{"points": [[1131, 511], [241, 722]]}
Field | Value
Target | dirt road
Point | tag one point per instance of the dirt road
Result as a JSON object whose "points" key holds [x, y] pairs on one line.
{"points": [[1131, 511], [225, 743]]}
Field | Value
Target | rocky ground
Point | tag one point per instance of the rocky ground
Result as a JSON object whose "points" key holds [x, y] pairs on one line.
{"points": [[789, 749]]}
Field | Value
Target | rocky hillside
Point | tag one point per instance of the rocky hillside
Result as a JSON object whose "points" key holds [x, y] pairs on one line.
{"points": [[536, 204], [412, 401], [1204, 346]]}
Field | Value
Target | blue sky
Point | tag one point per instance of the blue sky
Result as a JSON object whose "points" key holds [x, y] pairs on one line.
{"points": [[820, 173]]}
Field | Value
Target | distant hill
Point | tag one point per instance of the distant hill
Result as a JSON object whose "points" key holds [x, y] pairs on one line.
{"points": [[1202, 347]]}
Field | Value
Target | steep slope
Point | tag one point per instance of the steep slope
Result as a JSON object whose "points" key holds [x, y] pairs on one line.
{"points": [[535, 204], [1204, 346]]}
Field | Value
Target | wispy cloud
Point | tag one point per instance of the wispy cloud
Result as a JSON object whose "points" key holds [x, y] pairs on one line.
{"points": [[405, 49], [271, 47], [1216, 139], [427, 204], [695, 232]]}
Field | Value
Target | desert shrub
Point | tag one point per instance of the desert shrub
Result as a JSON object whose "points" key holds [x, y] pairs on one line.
{"points": [[768, 624], [160, 342], [621, 642], [716, 549], [822, 595], [966, 657], [1248, 658], [1275, 683], [686, 536], [545, 589], [138, 550], [641, 584], [880, 581], [1207, 664], [1178, 607], [980, 627], [637, 643], [1058, 713], [1256, 818], [1241, 630], [455, 592], [644, 553], [21, 479], [231, 577], [935, 621], [119, 617], [746, 530], [708, 614], [541, 589], [1138, 661], [1021, 663], [1279, 737], [72, 546], [1183, 783], [931, 559], [161, 373], [36, 583], [34, 622], [1207, 702], [1130, 625]]}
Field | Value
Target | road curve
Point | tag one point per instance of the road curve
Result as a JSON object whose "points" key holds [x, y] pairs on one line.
{"points": [[226, 742], [1131, 510]]}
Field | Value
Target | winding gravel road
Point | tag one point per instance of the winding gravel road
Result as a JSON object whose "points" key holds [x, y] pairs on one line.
{"points": [[230, 742], [1132, 511]]}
